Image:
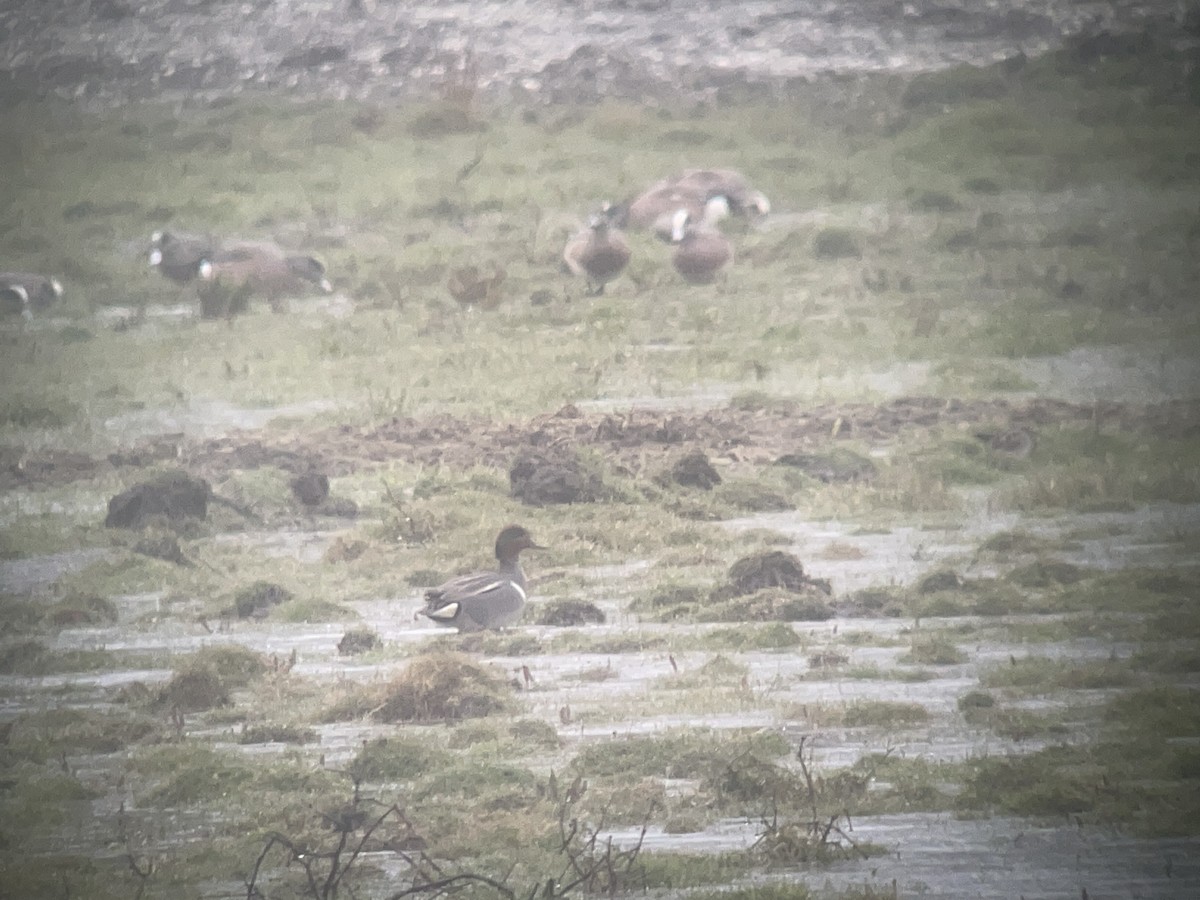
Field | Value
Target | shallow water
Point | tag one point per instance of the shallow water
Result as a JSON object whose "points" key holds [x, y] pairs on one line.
{"points": [[203, 418], [23, 576], [938, 856], [931, 855], [1146, 536]]}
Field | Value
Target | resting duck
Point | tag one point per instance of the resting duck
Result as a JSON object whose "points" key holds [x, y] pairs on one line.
{"points": [[743, 198], [23, 292], [701, 250], [485, 600], [261, 267], [599, 252], [177, 256], [691, 189]]}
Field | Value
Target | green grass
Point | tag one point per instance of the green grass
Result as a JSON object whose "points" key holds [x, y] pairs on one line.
{"points": [[364, 193]]}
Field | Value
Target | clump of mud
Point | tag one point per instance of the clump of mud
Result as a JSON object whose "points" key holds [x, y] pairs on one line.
{"points": [[310, 488], [769, 587], [161, 545], [835, 465], [441, 687], [566, 613], [771, 569], [256, 600], [172, 495], [694, 470], [358, 640], [541, 478]]}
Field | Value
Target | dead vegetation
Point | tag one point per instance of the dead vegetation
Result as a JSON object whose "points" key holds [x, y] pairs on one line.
{"points": [[440, 687], [333, 863]]}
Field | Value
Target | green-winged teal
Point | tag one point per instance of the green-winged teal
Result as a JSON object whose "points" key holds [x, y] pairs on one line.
{"points": [[599, 252], [261, 267], [485, 600], [701, 250], [23, 292]]}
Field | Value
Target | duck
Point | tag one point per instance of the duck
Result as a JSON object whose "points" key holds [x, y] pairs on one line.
{"points": [[598, 252], [736, 187], [708, 215], [178, 256], [701, 250], [261, 267], [691, 189], [485, 600], [24, 292]]}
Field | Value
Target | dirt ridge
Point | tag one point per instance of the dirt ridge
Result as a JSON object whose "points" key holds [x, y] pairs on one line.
{"points": [[635, 438]]}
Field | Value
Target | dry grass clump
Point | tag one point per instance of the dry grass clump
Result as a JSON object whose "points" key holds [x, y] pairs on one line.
{"points": [[443, 686], [204, 679]]}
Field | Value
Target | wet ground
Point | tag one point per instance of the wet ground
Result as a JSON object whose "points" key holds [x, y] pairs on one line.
{"points": [[939, 857], [190, 51], [929, 855]]}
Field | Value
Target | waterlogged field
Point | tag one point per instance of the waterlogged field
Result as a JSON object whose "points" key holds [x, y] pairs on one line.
{"points": [[879, 578]]}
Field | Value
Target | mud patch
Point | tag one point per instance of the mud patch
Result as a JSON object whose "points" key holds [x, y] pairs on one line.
{"points": [[635, 439]]}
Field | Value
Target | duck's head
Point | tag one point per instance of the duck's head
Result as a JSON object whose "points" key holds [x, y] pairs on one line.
{"points": [[205, 270], [512, 540], [310, 269], [616, 214], [758, 203]]}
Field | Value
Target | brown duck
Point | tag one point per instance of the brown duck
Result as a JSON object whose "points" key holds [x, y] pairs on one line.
{"points": [[599, 252], [743, 199], [701, 251], [261, 267], [691, 189]]}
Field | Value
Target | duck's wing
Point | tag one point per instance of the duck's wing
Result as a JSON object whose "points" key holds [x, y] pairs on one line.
{"points": [[472, 601]]}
